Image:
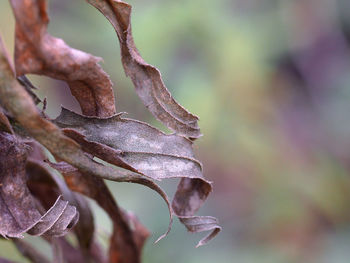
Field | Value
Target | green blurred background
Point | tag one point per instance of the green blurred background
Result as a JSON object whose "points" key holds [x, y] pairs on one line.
{"points": [[270, 81]]}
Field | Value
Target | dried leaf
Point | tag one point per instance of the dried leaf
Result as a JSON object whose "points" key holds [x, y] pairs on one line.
{"points": [[126, 243], [22, 108], [146, 78], [140, 147], [46, 186], [18, 211], [37, 52], [18, 103], [189, 196], [132, 145], [52, 57]]}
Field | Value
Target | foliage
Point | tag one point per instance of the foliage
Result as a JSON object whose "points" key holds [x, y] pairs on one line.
{"points": [[35, 201]]}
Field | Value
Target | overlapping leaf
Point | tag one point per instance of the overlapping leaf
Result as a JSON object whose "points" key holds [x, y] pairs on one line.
{"points": [[39, 53], [146, 78], [126, 242], [142, 148], [18, 210], [22, 108], [133, 145], [45, 185], [130, 144]]}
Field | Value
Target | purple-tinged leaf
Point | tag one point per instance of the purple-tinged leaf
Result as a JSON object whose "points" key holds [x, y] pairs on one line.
{"points": [[142, 148], [18, 210], [126, 242]]}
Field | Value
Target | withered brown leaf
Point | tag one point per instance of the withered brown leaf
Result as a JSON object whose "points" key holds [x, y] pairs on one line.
{"points": [[18, 209], [19, 104], [37, 52], [126, 241], [145, 151], [146, 78], [46, 186], [141, 148], [189, 197], [133, 145]]}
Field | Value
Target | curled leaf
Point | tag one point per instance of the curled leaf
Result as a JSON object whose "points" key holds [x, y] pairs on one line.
{"points": [[126, 242], [37, 52], [133, 145], [18, 210], [22, 108], [142, 148], [139, 148], [189, 196], [19, 104], [46, 186], [78, 182], [146, 78]]}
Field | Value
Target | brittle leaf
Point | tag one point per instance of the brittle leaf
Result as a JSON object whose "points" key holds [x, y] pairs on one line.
{"points": [[46, 186], [37, 52], [141, 148], [133, 145], [19, 213], [126, 242], [146, 78], [19, 104], [81, 183]]}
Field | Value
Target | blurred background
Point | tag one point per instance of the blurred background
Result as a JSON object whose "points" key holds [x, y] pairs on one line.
{"points": [[270, 80]]}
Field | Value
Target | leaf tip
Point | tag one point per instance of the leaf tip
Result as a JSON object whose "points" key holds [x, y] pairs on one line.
{"points": [[160, 238]]}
